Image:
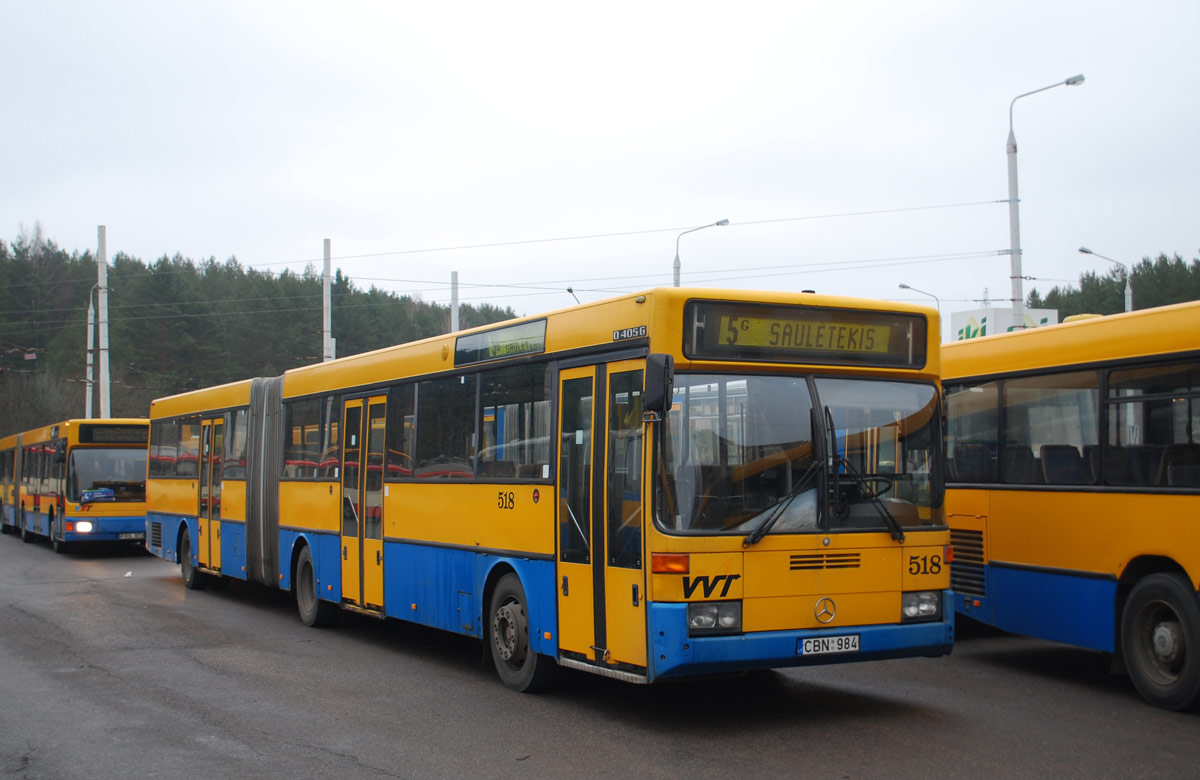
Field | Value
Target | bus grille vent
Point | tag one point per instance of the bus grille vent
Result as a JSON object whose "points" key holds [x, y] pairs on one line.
{"points": [[155, 534], [830, 560], [966, 572]]}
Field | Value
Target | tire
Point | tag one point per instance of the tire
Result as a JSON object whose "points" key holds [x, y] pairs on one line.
{"points": [[314, 611], [59, 546], [519, 667], [192, 579], [1160, 641], [26, 536]]}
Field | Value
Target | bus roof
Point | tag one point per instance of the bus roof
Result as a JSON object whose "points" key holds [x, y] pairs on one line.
{"points": [[1146, 332], [590, 325], [209, 398], [48, 432]]}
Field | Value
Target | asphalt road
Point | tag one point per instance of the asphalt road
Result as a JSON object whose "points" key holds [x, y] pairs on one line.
{"points": [[110, 669]]}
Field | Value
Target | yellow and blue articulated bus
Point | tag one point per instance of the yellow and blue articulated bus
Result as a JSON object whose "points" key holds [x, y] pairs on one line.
{"points": [[76, 482], [1074, 496], [662, 484]]}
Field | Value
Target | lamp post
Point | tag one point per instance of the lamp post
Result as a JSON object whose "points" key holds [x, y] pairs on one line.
{"points": [[936, 302], [1128, 289], [721, 223], [1014, 220]]}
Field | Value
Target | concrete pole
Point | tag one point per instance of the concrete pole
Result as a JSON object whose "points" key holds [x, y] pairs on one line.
{"points": [[328, 346], [102, 322], [91, 344], [454, 301]]}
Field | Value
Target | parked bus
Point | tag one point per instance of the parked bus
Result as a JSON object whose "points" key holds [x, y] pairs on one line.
{"points": [[657, 485], [8, 484], [1074, 469], [76, 482]]}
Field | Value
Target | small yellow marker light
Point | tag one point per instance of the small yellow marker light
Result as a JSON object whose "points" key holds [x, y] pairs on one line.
{"points": [[414, 606], [546, 635]]}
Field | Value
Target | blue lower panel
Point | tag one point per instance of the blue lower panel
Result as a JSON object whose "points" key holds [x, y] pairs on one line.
{"points": [[169, 525], [675, 654], [1060, 607], [326, 550], [444, 588], [233, 549], [107, 529]]}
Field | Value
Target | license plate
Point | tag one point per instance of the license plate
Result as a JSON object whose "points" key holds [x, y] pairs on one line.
{"points": [[131, 536], [822, 645]]}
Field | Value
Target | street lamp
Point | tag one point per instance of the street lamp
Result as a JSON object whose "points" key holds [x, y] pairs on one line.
{"points": [[721, 223], [1014, 221], [937, 302], [904, 286], [1128, 289]]}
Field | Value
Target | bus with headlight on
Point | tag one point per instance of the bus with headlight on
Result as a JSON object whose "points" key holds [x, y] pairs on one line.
{"points": [[662, 484], [76, 482]]}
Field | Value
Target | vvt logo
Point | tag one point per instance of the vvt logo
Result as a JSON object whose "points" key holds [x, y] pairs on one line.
{"points": [[709, 585]]}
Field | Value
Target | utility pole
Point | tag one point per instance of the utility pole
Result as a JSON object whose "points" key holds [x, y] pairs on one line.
{"points": [[454, 301], [102, 321], [328, 342], [91, 345]]}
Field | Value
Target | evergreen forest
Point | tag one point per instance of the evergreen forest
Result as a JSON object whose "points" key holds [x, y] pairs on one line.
{"points": [[177, 324]]}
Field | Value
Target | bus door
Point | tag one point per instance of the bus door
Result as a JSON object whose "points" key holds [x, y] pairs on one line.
{"points": [[362, 501], [212, 442], [601, 583]]}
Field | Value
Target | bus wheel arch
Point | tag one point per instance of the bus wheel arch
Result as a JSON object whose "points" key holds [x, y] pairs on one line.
{"points": [[192, 578], [59, 546], [1160, 639], [506, 634], [315, 611]]}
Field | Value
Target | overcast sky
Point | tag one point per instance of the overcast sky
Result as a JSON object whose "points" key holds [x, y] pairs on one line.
{"points": [[852, 146]]}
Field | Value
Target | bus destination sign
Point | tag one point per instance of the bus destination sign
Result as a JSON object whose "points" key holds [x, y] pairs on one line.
{"points": [[528, 338], [799, 334], [803, 334]]}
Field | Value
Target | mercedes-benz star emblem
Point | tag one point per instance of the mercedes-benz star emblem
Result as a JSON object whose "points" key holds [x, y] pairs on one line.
{"points": [[825, 610]]}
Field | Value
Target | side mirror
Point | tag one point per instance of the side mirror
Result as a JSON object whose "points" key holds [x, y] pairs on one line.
{"points": [[660, 383]]}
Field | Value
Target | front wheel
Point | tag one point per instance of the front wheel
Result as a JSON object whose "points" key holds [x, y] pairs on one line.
{"points": [[192, 579], [314, 610], [1160, 639], [519, 667], [25, 535]]}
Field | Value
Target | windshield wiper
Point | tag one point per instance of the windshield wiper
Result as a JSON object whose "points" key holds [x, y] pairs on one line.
{"points": [[892, 524], [755, 536]]}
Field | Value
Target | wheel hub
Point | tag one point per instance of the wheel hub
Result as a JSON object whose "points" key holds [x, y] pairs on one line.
{"points": [[1165, 640], [505, 631]]}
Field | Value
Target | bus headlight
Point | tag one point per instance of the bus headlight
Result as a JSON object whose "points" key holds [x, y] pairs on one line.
{"points": [[83, 527], [712, 618], [921, 605]]}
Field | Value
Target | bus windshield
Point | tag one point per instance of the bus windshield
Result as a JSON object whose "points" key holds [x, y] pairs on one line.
{"points": [[106, 474], [754, 454]]}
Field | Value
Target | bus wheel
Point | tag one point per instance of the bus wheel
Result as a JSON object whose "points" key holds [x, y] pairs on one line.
{"points": [[314, 611], [25, 535], [1160, 639], [60, 545], [518, 666], [192, 579]]}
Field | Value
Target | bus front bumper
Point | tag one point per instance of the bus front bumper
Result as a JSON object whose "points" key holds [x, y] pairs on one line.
{"points": [[105, 529], [675, 654]]}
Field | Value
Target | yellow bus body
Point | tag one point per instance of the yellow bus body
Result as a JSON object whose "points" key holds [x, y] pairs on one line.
{"points": [[1059, 552], [344, 513]]}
